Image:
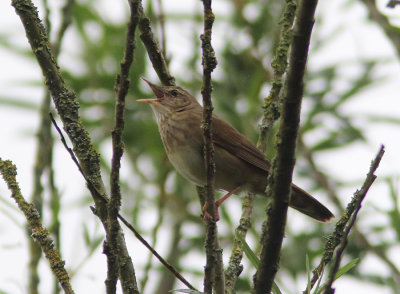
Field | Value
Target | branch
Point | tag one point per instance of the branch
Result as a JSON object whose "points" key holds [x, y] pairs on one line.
{"points": [[44, 162], [392, 32], [270, 116], [117, 264], [64, 99], [324, 182], [214, 272], [281, 175], [121, 218], [67, 106], [349, 219], [234, 267], [39, 233], [279, 65], [153, 49]]}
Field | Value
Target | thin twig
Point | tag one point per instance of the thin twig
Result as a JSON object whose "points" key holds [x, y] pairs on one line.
{"points": [[39, 233], [352, 211], [324, 182], [65, 22], [234, 267], [120, 217], [154, 252], [391, 31], [163, 36], [153, 49], [281, 176]]}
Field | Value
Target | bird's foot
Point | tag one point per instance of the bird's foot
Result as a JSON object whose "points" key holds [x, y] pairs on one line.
{"points": [[207, 216]]}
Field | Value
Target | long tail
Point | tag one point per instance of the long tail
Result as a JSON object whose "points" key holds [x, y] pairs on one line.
{"points": [[305, 203]]}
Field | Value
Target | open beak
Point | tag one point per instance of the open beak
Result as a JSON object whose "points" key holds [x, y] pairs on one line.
{"points": [[158, 91]]}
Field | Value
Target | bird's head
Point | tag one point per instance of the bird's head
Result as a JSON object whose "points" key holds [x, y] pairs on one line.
{"points": [[169, 99]]}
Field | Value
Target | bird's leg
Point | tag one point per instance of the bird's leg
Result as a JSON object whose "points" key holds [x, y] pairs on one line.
{"points": [[207, 216]]}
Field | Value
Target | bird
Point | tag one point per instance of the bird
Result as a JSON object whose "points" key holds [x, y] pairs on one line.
{"points": [[239, 164]]}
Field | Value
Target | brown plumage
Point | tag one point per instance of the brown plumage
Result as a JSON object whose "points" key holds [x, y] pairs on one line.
{"points": [[238, 162]]}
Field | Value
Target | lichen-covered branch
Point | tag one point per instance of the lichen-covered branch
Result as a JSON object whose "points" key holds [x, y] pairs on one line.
{"points": [[281, 175], [117, 262], [39, 233], [67, 106], [44, 162], [120, 217], [279, 65], [344, 226], [153, 49], [214, 273], [323, 181], [234, 267], [271, 114]]}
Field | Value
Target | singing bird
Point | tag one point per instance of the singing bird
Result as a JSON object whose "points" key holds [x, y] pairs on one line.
{"points": [[240, 166]]}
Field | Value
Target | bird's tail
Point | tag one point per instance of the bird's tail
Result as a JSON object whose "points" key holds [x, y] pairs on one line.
{"points": [[307, 204]]}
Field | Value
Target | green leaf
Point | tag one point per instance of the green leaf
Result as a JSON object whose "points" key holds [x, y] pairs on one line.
{"points": [[347, 267], [341, 272], [255, 261], [308, 274], [249, 253]]}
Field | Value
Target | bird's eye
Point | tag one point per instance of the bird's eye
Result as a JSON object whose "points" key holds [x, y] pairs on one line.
{"points": [[174, 93]]}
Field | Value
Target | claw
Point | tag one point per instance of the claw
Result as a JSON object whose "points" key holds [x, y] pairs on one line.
{"points": [[207, 216]]}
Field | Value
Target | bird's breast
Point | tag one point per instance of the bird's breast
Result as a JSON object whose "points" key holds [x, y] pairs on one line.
{"points": [[182, 139], [189, 164]]}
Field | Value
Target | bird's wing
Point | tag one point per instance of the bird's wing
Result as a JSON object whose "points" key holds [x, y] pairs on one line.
{"points": [[227, 137]]}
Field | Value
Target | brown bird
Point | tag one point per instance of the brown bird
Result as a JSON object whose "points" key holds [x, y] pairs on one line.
{"points": [[240, 166]]}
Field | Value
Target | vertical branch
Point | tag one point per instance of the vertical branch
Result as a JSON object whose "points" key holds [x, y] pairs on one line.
{"points": [[214, 277], [271, 114], [67, 106], [43, 160], [279, 65], [116, 262], [234, 267], [281, 174]]}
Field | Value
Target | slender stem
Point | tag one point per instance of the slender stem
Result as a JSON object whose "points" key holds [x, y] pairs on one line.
{"points": [[153, 49]]}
